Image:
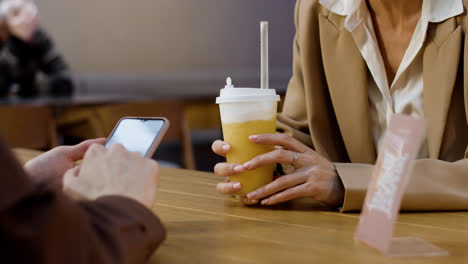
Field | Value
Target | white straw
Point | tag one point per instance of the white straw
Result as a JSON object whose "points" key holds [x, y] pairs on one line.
{"points": [[264, 55]]}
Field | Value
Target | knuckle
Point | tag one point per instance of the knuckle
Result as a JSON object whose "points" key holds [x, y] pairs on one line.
{"points": [[93, 149], [223, 169], [217, 169], [276, 154], [114, 147], [281, 181], [154, 165], [259, 159], [315, 159], [62, 148], [280, 153], [262, 190], [138, 155], [283, 137], [215, 146], [277, 197], [120, 149], [247, 201], [117, 146], [312, 170], [223, 188], [219, 188], [230, 167], [288, 195], [267, 189]]}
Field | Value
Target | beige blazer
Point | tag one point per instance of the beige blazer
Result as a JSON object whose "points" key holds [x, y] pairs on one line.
{"points": [[326, 107]]}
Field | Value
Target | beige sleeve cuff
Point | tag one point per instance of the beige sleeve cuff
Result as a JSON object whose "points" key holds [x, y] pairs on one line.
{"points": [[355, 178], [434, 185]]}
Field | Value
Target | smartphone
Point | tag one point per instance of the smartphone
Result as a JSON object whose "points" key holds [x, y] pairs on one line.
{"points": [[139, 134]]}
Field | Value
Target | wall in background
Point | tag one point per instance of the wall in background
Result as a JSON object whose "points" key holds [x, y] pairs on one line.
{"points": [[154, 39]]}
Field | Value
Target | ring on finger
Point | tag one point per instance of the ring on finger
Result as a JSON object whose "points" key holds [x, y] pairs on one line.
{"points": [[296, 155]]}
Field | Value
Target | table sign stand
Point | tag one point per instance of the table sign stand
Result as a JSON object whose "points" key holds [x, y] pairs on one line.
{"points": [[390, 177]]}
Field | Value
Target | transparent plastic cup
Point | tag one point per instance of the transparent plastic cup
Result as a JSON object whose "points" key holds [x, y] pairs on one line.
{"points": [[245, 112]]}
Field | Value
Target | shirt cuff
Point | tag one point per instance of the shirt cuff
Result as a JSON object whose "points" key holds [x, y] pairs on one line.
{"points": [[355, 178]]}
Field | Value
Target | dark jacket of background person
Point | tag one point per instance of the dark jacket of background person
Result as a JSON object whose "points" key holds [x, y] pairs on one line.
{"points": [[20, 62], [39, 224]]}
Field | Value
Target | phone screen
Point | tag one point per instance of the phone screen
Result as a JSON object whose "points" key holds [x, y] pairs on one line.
{"points": [[136, 135]]}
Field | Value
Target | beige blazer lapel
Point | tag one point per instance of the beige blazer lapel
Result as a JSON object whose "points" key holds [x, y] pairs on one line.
{"points": [[346, 75], [440, 67]]}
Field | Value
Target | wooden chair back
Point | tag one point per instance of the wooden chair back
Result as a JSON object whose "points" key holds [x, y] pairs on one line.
{"points": [[31, 127]]}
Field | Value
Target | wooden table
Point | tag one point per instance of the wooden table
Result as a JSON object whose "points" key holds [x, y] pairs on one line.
{"points": [[205, 227]]}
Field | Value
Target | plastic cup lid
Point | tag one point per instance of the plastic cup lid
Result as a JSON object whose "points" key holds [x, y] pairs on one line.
{"points": [[238, 95]]}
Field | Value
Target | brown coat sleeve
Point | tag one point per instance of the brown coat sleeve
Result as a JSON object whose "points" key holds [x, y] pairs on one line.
{"points": [[40, 225]]}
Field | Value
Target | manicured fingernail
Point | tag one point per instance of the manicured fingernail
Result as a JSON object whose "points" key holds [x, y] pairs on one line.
{"points": [[252, 195], [237, 186], [238, 168], [253, 138], [247, 165], [265, 202], [226, 147]]}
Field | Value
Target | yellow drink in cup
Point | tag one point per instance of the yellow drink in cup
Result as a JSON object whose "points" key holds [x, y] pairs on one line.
{"points": [[243, 150], [246, 112]]}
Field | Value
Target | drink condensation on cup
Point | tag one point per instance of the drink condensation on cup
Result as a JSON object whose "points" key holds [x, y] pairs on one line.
{"points": [[245, 112]]}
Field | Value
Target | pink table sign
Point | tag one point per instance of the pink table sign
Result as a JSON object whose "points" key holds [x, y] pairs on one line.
{"points": [[391, 174]]}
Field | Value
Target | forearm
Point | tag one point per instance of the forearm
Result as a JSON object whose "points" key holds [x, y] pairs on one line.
{"points": [[108, 230], [434, 185], [134, 229], [41, 225]]}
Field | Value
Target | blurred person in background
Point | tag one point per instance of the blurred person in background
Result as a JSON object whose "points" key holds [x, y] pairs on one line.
{"points": [[26, 50]]}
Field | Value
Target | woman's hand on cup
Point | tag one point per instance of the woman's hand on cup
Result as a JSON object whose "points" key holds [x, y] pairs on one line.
{"points": [[225, 169], [314, 176]]}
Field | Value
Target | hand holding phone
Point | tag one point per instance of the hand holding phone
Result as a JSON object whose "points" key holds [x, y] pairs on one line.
{"points": [[113, 171]]}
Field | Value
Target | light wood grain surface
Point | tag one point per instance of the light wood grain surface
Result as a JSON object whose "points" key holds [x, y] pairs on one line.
{"points": [[205, 227]]}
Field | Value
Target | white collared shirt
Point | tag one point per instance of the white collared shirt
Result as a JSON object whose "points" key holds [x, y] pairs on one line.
{"points": [[405, 94]]}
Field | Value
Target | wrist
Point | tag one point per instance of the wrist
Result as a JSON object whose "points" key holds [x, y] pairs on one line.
{"points": [[338, 191]]}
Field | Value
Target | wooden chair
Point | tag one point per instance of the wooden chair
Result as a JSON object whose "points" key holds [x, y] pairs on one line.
{"points": [[31, 127], [203, 114], [99, 121]]}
